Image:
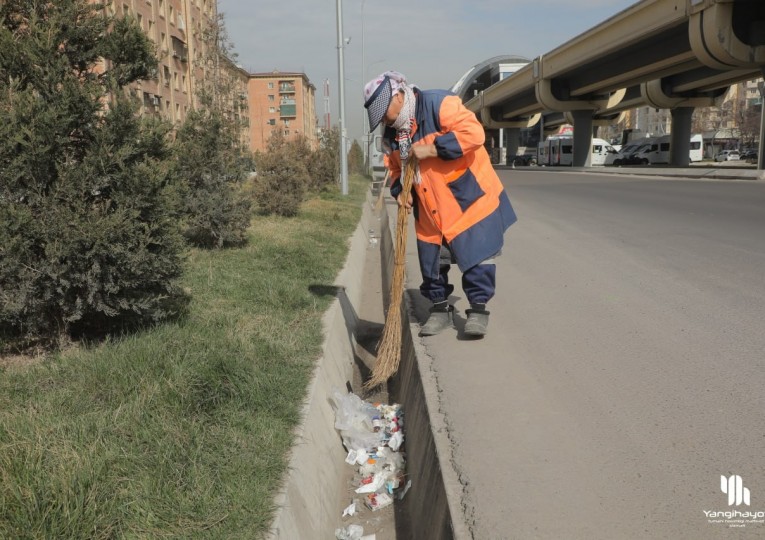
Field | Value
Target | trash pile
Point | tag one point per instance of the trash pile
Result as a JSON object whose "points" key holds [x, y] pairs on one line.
{"points": [[373, 436]]}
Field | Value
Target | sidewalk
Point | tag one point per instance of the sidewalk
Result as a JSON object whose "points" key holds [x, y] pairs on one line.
{"points": [[706, 170]]}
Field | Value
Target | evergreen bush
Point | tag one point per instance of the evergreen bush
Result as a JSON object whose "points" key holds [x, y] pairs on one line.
{"points": [[88, 234], [325, 162], [355, 159], [209, 156], [216, 213], [283, 178]]}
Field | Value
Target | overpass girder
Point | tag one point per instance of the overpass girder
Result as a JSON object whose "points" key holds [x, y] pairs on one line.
{"points": [[547, 98], [655, 95], [715, 29]]}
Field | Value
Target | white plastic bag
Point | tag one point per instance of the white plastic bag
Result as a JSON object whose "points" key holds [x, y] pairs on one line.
{"points": [[351, 532], [353, 418]]}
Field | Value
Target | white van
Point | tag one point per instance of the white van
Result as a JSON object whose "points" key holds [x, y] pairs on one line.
{"points": [[542, 154], [654, 151], [557, 150], [601, 150], [376, 162], [697, 147], [657, 150], [618, 158]]}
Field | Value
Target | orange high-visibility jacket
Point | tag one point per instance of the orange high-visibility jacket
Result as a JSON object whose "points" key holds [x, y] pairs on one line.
{"points": [[460, 199]]}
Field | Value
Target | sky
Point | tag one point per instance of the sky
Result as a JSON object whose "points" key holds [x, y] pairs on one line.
{"points": [[432, 42]]}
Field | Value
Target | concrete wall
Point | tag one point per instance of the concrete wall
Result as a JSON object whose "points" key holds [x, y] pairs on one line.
{"points": [[433, 505]]}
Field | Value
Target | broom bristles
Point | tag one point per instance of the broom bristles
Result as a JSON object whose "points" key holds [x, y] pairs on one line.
{"points": [[389, 346]]}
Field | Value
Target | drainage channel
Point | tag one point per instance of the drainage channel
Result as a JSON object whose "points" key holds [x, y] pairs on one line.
{"points": [[319, 483]]}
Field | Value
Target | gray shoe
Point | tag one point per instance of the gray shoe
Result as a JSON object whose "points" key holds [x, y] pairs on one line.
{"points": [[439, 320], [477, 321]]}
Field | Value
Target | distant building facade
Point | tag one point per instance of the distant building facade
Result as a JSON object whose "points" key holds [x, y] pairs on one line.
{"points": [[177, 27], [259, 102], [281, 101]]}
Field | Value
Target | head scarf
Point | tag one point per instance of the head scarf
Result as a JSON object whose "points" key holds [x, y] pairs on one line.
{"points": [[376, 94]]}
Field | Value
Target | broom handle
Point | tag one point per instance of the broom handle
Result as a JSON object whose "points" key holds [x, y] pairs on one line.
{"points": [[409, 174]]}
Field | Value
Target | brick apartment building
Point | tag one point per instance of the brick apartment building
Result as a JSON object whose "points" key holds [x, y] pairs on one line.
{"points": [[281, 100], [176, 26], [261, 102]]}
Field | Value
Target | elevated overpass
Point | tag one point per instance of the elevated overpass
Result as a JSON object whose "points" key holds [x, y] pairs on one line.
{"points": [[667, 54]]}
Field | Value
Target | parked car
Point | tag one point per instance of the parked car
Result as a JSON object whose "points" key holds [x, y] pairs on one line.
{"points": [[728, 155], [750, 156], [523, 159]]}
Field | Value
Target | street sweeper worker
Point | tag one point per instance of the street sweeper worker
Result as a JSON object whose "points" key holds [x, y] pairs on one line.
{"points": [[460, 208]]}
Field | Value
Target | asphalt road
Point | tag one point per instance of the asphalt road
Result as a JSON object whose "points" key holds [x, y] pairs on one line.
{"points": [[624, 371]]}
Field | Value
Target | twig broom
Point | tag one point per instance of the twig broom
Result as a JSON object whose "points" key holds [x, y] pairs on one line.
{"points": [[389, 346]]}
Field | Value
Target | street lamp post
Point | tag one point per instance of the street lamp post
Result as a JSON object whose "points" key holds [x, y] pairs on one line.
{"points": [[364, 134], [761, 147], [341, 77]]}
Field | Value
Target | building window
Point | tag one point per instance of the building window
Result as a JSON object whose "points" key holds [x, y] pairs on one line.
{"points": [[272, 122], [272, 109], [270, 97], [270, 86]]}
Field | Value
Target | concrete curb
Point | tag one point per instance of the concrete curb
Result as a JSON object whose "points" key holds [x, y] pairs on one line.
{"points": [[699, 173], [306, 506]]}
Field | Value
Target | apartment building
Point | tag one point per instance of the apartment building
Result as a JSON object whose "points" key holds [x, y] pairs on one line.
{"points": [[283, 101], [235, 80], [178, 28], [182, 31]]}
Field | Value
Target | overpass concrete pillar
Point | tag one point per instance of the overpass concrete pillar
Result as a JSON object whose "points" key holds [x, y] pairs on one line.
{"points": [[761, 148], [680, 145], [513, 141], [582, 138]]}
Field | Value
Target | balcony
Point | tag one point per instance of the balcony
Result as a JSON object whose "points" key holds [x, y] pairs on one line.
{"points": [[287, 108], [286, 88]]}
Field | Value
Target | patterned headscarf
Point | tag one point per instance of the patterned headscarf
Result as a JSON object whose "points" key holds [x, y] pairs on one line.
{"points": [[378, 94]]}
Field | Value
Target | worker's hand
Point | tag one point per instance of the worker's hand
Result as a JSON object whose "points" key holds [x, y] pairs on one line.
{"points": [[407, 204], [422, 151]]}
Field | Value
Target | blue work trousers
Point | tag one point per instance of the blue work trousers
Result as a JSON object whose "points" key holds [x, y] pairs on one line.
{"points": [[478, 282]]}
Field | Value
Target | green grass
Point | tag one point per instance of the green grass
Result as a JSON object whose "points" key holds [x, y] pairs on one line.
{"points": [[182, 431]]}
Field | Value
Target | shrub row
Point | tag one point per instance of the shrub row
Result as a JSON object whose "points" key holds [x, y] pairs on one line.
{"points": [[95, 200]]}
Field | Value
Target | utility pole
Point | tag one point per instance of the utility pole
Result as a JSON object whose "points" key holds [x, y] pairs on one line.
{"points": [[341, 77], [761, 147], [363, 78]]}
